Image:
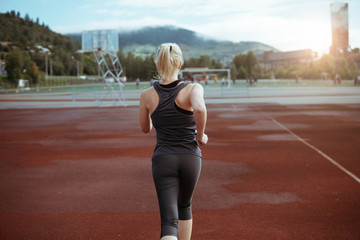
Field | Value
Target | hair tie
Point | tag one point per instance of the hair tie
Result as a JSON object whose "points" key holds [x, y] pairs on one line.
{"points": [[170, 48]]}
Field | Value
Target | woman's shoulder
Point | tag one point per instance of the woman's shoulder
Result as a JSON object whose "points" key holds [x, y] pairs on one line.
{"points": [[192, 88], [192, 85], [147, 92]]}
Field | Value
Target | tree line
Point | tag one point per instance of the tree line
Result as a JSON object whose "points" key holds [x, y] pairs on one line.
{"points": [[327, 64], [22, 64]]}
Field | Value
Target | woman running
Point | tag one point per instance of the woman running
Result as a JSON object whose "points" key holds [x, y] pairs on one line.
{"points": [[177, 111]]}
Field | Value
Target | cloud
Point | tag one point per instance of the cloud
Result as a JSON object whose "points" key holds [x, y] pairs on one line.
{"points": [[124, 24], [147, 3], [282, 33], [210, 8], [284, 24]]}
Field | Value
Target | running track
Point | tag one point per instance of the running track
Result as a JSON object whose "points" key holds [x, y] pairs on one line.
{"points": [[270, 171]]}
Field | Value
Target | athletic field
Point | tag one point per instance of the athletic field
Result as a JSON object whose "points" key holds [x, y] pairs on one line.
{"points": [[282, 162]]}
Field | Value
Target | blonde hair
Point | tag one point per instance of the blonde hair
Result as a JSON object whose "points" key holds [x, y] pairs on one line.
{"points": [[168, 60]]}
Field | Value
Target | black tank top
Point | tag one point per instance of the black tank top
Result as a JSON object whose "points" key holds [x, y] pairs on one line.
{"points": [[175, 127]]}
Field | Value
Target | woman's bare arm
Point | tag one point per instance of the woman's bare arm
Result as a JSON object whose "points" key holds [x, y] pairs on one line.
{"points": [[144, 116], [200, 113]]}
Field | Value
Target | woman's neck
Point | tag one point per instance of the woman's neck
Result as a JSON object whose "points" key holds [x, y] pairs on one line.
{"points": [[167, 81], [173, 78]]}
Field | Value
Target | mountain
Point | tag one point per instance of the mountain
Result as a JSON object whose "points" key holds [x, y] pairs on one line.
{"points": [[144, 41]]}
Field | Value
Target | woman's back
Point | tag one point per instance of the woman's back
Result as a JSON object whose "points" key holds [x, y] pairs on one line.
{"points": [[175, 126]]}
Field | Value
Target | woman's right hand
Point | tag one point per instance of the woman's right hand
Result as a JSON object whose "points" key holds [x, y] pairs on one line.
{"points": [[203, 140]]}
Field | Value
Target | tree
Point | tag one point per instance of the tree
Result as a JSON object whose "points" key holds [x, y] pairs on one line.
{"points": [[354, 70], [257, 71], [242, 73], [149, 67], [89, 63], [281, 72], [327, 64], [204, 61], [234, 73], [58, 67], [33, 71], [14, 65], [250, 63], [216, 64], [239, 60], [246, 65], [121, 56]]}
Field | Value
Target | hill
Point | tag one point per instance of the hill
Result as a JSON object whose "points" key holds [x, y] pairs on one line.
{"points": [[145, 40], [34, 39], [25, 33]]}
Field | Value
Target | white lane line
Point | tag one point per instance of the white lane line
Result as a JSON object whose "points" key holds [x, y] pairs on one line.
{"points": [[313, 147]]}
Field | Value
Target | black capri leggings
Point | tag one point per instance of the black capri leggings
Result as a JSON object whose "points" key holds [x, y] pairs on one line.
{"points": [[175, 178]]}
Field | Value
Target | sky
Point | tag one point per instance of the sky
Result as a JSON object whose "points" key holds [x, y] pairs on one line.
{"points": [[284, 24]]}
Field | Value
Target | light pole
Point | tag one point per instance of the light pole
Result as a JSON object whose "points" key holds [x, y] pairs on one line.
{"points": [[46, 64]]}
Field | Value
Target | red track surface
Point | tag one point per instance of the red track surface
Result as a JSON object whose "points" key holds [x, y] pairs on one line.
{"points": [[86, 174]]}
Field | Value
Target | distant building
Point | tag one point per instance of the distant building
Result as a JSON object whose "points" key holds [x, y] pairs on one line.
{"points": [[42, 49], [340, 48], [353, 57], [340, 29], [271, 60], [4, 43]]}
